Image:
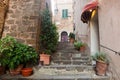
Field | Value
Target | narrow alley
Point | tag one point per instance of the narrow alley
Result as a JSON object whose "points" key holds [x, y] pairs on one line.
{"points": [[59, 39]]}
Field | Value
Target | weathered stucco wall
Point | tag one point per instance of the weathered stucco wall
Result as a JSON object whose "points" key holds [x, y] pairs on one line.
{"points": [[81, 29], [22, 21], [109, 28]]}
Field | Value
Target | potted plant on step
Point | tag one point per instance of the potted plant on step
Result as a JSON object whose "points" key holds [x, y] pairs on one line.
{"points": [[48, 36], [71, 37], [102, 63], [82, 47], [45, 57], [79, 46]]}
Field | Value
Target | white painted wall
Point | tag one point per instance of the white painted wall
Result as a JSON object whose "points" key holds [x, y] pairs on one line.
{"points": [[94, 34]]}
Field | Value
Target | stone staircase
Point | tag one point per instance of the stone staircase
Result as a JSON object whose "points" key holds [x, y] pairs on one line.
{"points": [[67, 55], [66, 64]]}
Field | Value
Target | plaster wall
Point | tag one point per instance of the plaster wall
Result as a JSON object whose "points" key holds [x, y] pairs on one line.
{"points": [[82, 30], [109, 28]]}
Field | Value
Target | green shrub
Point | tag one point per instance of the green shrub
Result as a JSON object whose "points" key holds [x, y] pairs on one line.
{"points": [[49, 35], [13, 53]]}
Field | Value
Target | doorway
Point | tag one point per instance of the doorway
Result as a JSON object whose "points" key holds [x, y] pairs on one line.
{"points": [[64, 36]]}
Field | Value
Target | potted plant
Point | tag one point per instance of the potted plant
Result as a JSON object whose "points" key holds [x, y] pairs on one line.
{"points": [[71, 37], [79, 46], [7, 45], [29, 56], [25, 55], [48, 36], [45, 57], [82, 47], [102, 63], [15, 54]]}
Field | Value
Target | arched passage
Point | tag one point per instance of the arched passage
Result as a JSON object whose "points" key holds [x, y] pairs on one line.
{"points": [[64, 36]]}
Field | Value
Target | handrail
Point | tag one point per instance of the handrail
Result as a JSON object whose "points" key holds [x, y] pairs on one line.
{"points": [[110, 49]]}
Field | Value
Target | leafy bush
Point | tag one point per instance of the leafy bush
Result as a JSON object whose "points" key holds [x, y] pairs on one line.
{"points": [[13, 53], [7, 45]]}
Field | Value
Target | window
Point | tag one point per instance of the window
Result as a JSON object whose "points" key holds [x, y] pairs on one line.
{"points": [[65, 13], [46, 5]]}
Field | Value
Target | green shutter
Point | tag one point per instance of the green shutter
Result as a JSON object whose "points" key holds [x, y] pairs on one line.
{"points": [[64, 13]]}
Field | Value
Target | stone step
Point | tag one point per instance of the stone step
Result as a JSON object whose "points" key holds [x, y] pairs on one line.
{"points": [[79, 68], [69, 56], [72, 62], [59, 72], [69, 51]]}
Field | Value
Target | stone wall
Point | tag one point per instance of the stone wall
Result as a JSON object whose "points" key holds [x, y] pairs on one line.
{"points": [[67, 23], [23, 21]]}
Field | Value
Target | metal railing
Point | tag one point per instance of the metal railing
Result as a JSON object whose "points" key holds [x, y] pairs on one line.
{"points": [[112, 70], [116, 52]]}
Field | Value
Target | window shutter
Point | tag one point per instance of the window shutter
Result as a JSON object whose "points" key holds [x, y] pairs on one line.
{"points": [[64, 13]]}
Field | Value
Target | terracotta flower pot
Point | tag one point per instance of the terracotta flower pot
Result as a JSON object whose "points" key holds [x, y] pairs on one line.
{"points": [[27, 72], [13, 72], [45, 58], [72, 40], [82, 48], [2, 70], [17, 70], [101, 68]]}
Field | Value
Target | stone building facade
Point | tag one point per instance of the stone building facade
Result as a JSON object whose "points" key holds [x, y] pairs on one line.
{"points": [[64, 25], [23, 20]]}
